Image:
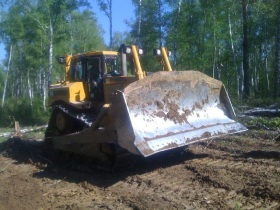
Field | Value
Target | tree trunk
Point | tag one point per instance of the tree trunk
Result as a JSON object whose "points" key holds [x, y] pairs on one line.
{"points": [[139, 22], [176, 33], [50, 53], [45, 91], [245, 49], [160, 22], [267, 75], [277, 69], [7, 74], [220, 65], [29, 88], [234, 56], [215, 49], [111, 24], [255, 78], [106, 7], [228, 77]]}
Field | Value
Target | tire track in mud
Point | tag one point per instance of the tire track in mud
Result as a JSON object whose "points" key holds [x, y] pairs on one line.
{"points": [[219, 178], [177, 187], [163, 188], [252, 183]]}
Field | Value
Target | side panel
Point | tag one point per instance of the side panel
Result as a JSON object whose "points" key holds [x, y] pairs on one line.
{"points": [[112, 84], [76, 92], [58, 92], [71, 92]]}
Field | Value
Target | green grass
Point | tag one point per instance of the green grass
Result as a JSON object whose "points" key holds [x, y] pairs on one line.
{"points": [[2, 139], [35, 135], [272, 123], [5, 130], [39, 134]]}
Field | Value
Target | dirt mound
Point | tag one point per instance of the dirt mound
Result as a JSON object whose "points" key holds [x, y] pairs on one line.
{"points": [[239, 171]]}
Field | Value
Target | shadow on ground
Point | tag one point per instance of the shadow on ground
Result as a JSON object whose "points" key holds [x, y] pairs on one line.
{"points": [[259, 154], [56, 166]]}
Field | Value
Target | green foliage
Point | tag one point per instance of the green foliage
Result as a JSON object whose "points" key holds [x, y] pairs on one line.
{"points": [[85, 33], [122, 38], [152, 31], [268, 122], [261, 102], [202, 35], [25, 25], [21, 110], [208, 36]]}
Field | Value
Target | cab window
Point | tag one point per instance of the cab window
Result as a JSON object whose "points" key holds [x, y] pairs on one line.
{"points": [[111, 64], [93, 66], [76, 70]]}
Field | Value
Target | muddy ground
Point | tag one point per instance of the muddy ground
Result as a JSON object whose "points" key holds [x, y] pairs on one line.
{"points": [[240, 171]]}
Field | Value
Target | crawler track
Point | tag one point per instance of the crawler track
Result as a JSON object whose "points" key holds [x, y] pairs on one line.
{"points": [[66, 119]]}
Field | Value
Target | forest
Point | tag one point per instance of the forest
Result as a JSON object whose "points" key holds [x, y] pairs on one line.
{"points": [[235, 41]]}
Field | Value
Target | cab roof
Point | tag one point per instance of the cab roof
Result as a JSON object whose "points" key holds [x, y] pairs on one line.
{"points": [[90, 53]]}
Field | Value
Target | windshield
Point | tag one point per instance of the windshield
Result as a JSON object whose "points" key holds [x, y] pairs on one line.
{"points": [[111, 65]]}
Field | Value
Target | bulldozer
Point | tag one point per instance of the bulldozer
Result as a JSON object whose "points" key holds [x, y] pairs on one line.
{"points": [[108, 104]]}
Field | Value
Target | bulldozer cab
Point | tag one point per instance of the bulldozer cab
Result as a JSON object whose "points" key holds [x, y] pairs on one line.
{"points": [[101, 74], [93, 76], [85, 75]]}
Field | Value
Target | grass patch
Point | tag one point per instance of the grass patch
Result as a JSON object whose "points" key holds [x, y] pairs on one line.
{"points": [[268, 122], [35, 134], [3, 139], [5, 130]]}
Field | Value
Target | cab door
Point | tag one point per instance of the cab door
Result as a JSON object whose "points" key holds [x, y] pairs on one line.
{"points": [[94, 76]]}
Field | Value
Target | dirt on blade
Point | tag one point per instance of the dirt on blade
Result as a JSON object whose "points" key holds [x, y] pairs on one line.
{"points": [[240, 171]]}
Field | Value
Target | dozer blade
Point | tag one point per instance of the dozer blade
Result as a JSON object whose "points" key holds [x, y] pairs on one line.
{"points": [[171, 109]]}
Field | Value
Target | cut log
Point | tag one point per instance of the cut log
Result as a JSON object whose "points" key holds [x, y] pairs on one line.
{"points": [[263, 112]]}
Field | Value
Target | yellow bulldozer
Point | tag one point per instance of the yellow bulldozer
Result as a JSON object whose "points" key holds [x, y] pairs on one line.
{"points": [[107, 103]]}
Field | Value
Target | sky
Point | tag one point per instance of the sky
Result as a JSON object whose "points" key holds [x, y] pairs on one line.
{"points": [[122, 10]]}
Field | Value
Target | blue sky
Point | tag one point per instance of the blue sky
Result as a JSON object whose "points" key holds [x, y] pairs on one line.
{"points": [[122, 10]]}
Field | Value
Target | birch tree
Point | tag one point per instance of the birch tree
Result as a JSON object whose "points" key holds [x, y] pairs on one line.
{"points": [[10, 31], [245, 48], [49, 15], [175, 33], [277, 67], [7, 75]]}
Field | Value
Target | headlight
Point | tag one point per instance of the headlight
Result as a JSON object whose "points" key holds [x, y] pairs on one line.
{"points": [[127, 50], [140, 51], [157, 52]]}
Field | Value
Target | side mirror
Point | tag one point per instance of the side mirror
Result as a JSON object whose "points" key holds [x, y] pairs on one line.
{"points": [[61, 60]]}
